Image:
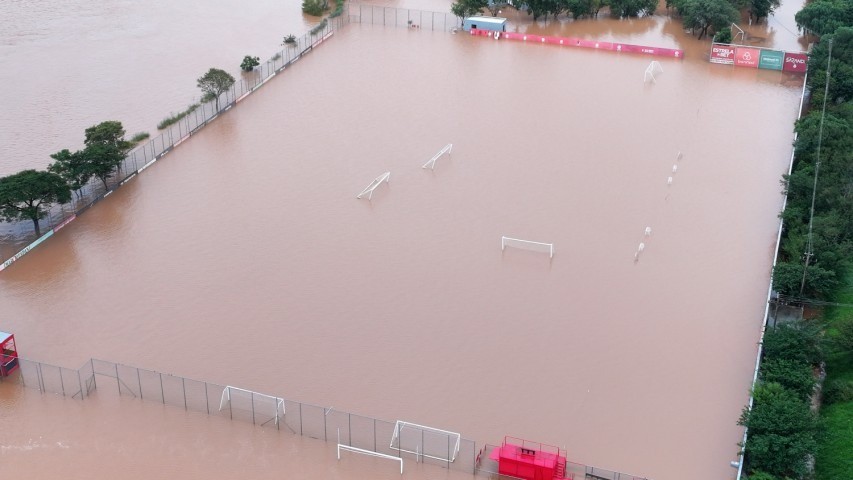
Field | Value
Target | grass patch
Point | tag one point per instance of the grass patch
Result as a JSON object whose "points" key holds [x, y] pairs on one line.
{"points": [[139, 137], [833, 459], [176, 117]]}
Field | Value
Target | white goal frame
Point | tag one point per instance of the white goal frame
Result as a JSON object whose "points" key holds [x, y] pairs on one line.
{"points": [[650, 71], [431, 162], [400, 425], [369, 453], [226, 400], [526, 244], [373, 185]]}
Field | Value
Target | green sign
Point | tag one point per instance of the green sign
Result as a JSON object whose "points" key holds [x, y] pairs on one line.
{"points": [[771, 60]]}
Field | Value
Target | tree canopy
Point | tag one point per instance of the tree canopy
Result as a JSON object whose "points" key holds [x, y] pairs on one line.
{"points": [[105, 149], [467, 8], [702, 15], [72, 167], [214, 83], [29, 194]]}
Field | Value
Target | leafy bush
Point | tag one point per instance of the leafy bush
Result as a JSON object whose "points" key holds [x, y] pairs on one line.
{"points": [[249, 63], [139, 137], [319, 28], [760, 476], [176, 117], [797, 377], [799, 342], [289, 40], [724, 35], [838, 391], [782, 431], [315, 7]]}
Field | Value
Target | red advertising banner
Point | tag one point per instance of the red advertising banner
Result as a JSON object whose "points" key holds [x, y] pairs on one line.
{"points": [[582, 43], [795, 62], [747, 57], [724, 54]]}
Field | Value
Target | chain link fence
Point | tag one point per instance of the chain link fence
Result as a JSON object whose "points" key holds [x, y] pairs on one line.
{"points": [[403, 17], [260, 409], [16, 236]]}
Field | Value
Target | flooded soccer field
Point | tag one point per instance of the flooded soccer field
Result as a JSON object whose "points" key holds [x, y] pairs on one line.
{"points": [[244, 257]]}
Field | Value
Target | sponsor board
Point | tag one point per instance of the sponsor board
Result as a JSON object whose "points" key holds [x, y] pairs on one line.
{"points": [[747, 57], [723, 54], [795, 62], [26, 250], [771, 59]]}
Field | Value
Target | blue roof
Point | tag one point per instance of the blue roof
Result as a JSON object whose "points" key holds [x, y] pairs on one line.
{"points": [[4, 336]]}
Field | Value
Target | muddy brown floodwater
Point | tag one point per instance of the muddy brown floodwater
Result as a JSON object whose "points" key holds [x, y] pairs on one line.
{"points": [[244, 258]]}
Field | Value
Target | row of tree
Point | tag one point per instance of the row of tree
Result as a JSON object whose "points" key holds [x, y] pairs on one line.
{"points": [[698, 15], [816, 246], [29, 194]]}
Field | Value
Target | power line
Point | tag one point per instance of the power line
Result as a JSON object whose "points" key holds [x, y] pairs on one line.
{"points": [[809, 253]]}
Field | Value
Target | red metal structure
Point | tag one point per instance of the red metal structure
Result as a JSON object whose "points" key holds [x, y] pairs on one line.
{"points": [[8, 354], [530, 460]]}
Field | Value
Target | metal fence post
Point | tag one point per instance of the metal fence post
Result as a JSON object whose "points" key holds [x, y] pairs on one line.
{"points": [[252, 397], [162, 392], [118, 384], [94, 382], [448, 451], [139, 381], [61, 381], [184, 386], [300, 418], [206, 398], [349, 428], [374, 434], [40, 377], [80, 383]]}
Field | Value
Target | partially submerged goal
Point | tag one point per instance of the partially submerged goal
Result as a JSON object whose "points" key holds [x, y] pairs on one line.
{"points": [[527, 245], [651, 70], [425, 442], [264, 408], [374, 185], [431, 162]]}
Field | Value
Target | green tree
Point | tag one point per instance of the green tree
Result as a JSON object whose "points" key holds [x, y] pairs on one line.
{"points": [[105, 149], [760, 9], [249, 63], [583, 8], [468, 8], [782, 431], [723, 35], [315, 7], [72, 167], [632, 8], [29, 194], [701, 15], [214, 83], [797, 377], [825, 16], [799, 342]]}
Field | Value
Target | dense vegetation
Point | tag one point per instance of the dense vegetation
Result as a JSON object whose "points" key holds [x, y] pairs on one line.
{"points": [[700, 16], [814, 263]]}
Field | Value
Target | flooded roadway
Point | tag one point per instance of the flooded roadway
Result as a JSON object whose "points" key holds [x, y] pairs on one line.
{"points": [[247, 243]]}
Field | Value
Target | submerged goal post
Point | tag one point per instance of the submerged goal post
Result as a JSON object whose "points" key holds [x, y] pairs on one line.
{"points": [[425, 442], [527, 245], [374, 185], [267, 406], [431, 162], [369, 453]]}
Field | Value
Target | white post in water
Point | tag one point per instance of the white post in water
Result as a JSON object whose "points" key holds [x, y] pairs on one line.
{"points": [[527, 245]]}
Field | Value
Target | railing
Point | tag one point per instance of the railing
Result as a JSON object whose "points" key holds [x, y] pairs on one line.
{"points": [[403, 17]]}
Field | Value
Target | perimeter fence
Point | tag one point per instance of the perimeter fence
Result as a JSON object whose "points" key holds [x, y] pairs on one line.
{"points": [[15, 236], [403, 17], [322, 423]]}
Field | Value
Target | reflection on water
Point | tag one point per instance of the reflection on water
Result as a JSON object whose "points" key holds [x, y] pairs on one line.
{"points": [[244, 258]]}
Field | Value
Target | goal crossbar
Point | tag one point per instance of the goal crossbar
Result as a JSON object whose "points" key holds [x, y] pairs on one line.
{"points": [[454, 437], [431, 163], [374, 184], [278, 402], [527, 244], [368, 452]]}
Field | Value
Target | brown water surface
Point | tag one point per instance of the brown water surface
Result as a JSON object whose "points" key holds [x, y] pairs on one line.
{"points": [[247, 242]]}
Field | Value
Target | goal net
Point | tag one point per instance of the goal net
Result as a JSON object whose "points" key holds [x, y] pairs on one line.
{"points": [[425, 442], [263, 408]]}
